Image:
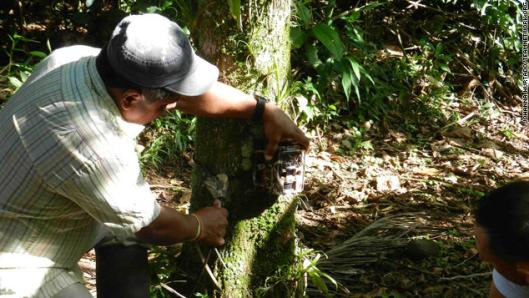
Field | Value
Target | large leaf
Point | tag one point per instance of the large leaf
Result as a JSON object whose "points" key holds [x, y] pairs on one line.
{"points": [[235, 10], [360, 71], [330, 39], [312, 55], [351, 74], [347, 81], [297, 37], [304, 13]]}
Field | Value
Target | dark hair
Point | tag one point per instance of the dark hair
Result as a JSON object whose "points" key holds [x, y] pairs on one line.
{"points": [[112, 79], [504, 215]]}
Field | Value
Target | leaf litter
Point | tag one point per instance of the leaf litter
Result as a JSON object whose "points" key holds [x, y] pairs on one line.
{"points": [[394, 220]]}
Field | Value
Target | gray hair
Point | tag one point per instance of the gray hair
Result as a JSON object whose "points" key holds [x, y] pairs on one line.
{"points": [[154, 94]]}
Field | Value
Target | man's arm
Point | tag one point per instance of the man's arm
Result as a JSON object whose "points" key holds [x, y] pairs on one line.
{"points": [[224, 101], [172, 227]]}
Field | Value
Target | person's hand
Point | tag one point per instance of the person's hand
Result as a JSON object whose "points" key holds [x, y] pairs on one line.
{"points": [[213, 221], [278, 126]]}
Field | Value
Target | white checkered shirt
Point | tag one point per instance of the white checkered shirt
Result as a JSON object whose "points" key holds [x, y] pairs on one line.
{"points": [[67, 165]]}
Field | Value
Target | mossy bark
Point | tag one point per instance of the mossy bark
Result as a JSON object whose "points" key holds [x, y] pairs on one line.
{"points": [[254, 53], [261, 233]]}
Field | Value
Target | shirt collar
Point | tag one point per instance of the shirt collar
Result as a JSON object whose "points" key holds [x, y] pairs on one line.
{"points": [[129, 129]]}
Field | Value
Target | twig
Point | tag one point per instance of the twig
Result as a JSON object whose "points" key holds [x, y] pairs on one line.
{"points": [[220, 257], [482, 274], [171, 290], [460, 121], [162, 186], [320, 143], [206, 267]]}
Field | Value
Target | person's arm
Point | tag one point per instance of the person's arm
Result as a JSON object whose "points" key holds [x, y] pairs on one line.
{"points": [[172, 227], [224, 101], [220, 101]]}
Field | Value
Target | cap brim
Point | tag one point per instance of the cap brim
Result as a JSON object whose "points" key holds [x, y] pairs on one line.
{"points": [[200, 78]]}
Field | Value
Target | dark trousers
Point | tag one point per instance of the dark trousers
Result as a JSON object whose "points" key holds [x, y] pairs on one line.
{"points": [[122, 271]]}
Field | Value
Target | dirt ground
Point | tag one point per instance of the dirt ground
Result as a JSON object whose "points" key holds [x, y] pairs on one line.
{"points": [[433, 177]]}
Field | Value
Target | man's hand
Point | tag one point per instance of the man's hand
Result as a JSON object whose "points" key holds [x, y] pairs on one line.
{"points": [[172, 227], [213, 222], [278, 126]]}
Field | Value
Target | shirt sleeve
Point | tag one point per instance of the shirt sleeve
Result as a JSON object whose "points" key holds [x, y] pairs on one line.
{"points": [[508, 288], [114, 192]]}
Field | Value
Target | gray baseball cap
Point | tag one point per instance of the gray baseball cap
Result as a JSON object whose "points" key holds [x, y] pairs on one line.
{"points": [[153, 52]]}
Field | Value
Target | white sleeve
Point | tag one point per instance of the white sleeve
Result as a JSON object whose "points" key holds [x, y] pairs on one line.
{"points": [[508, 288]]}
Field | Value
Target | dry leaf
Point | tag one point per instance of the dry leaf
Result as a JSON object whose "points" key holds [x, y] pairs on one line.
{"points": [[440, 146], [398, 136], [459, 132], [521, 136], [488, 144], [427, 172], [456, 142], [394, 50], [387, 183], [186, 197], [324, 155], [492, 153]]}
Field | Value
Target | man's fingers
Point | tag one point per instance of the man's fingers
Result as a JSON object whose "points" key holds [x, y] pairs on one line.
{"points": [[271, 148], [305, 141]]}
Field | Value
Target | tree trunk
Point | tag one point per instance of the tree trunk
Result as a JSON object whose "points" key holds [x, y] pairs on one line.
{"points": [[261, 233]]}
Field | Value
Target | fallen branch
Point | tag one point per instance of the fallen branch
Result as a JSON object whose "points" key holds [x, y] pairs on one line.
{"points": [[482, 274]]}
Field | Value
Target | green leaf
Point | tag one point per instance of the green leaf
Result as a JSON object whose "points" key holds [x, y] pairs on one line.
{"points": [[312, 55], [318, 282], [297, 37], [23, 76], [38, 54], [329, 278], [484, 9], [330, 39], [304, 13], [356, 67], [445, 68], [357, 90], [366, 145], [153, 9], [347, 80], [15, 82], [22, 38], [359, 70], [235, 10]]}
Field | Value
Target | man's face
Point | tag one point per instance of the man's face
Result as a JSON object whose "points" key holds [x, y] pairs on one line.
{"points": [[139, 108], [147, 111], [482, 244], [517, 271]]}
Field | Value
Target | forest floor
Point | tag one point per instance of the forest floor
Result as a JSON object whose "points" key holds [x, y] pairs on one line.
{"points": [[398, 199], [431, 178], [427, 182], [421, 179]]}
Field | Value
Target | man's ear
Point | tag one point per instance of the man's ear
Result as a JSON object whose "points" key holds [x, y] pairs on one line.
{"points": [[127, 99]]}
